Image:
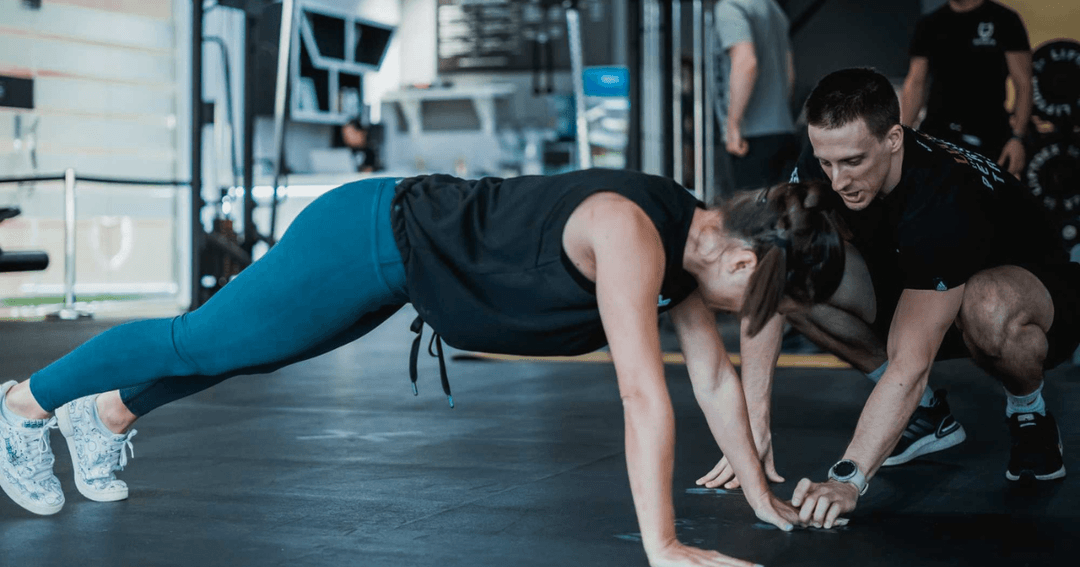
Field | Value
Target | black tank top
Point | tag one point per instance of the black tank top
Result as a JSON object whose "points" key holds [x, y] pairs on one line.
{"points": [[485, 265]]}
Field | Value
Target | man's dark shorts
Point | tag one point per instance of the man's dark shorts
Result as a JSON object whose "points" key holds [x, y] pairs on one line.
{"points": [[1062, 280]]}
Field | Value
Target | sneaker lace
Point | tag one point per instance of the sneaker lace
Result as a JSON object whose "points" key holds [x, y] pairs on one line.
{"points": [[117, 463], [33, 445], [122, 442]]}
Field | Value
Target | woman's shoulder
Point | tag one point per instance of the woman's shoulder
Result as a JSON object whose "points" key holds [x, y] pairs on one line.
{"points": [[611, 211]]}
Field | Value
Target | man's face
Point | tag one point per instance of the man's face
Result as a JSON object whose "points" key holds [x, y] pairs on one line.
{"points": [[855, 161], [353, 136]]}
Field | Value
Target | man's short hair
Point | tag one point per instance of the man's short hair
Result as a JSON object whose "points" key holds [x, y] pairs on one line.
{"points": [[845, 96]]}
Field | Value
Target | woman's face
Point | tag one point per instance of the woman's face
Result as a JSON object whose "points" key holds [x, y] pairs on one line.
{"points": [[728, 280]]}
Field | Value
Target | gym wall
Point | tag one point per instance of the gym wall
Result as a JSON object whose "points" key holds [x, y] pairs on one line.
{"points": [[1047, 20], [107, 104], [106, 101]]}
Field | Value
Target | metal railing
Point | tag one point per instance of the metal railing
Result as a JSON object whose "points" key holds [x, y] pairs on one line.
{"points": [[68, 311]]}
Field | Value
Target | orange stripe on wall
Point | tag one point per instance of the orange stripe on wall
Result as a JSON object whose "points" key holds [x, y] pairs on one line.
{"points": [[75, 39], [159, 9], [20, 72], [26, 73]]}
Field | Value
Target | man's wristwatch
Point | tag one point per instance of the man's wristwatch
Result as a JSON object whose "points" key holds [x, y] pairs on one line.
{"points": [[847, 471]]}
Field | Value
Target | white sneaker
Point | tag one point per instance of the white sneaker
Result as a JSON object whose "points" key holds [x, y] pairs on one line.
{"points": [[96, 452], [26, 468]]}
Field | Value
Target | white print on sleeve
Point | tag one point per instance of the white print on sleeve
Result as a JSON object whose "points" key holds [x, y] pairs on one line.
{"points": [[983, 165]]}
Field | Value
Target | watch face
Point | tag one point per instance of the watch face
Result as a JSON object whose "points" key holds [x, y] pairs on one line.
{"points": [[844, 469]]}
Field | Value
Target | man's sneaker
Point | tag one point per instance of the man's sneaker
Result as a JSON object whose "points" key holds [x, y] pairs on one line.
{"points": [[96, 452], [1036, 447], [26, 468], [929, 429]]}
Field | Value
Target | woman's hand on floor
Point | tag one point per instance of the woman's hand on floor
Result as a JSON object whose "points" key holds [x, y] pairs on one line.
{"points": [[723, 475], [675, 554]]}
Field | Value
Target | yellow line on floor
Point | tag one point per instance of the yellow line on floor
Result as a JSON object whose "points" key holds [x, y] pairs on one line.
{"points": [[786, 360]]}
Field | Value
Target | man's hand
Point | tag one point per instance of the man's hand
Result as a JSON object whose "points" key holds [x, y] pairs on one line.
{"points": [[1013, 157], [821, 503], [723, 474], [736, 144]]}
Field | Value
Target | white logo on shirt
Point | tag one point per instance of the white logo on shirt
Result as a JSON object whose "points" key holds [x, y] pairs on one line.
{"points": [[661, 302], [986, 35]]}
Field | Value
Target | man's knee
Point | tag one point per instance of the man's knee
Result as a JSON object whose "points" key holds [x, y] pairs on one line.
{"points": [[998, 307]]}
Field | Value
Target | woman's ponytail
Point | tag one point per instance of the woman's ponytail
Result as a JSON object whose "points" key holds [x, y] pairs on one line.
{"points": [[798, 238]]}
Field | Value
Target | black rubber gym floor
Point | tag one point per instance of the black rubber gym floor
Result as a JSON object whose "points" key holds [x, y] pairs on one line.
{"points": [[334, 462]]}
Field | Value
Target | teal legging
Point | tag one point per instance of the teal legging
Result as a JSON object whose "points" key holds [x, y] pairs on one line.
{"points": [[335, 275]]}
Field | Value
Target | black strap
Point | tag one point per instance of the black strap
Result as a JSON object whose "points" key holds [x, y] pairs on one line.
{"points": [[435, 338], [418, 328]]}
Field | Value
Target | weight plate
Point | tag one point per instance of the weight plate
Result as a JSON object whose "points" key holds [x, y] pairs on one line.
{"points": [[1056, 80]]}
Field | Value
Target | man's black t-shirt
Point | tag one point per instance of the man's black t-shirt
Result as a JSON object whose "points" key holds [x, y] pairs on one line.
{"points": [[366, 158], [485, 265], [952, 214], [966, 52]]}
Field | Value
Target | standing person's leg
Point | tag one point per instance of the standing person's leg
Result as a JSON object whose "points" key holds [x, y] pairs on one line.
{"points": [[1017, 322], [336, 263], [782, 155], [769, 161], [751, 171]]}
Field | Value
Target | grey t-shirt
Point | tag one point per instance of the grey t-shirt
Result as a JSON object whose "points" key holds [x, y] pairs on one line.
{"points": [[763, 23]]}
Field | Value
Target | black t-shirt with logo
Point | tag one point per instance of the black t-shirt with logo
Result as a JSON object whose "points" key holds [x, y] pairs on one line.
{"points": [[485, 265], [952, 214], [966, 52]]}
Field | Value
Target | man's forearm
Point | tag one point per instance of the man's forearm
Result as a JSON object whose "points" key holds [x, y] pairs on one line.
{"points": [[912, 99], [743, 77], [1022, 109], [885, 416], [790, 74]]}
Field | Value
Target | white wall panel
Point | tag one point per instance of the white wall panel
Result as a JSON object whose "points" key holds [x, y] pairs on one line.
{"points": [[97, 97], [109, 77], [110, 165], [74, 131], [81, 24], [98, 146], [53, 56]]}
